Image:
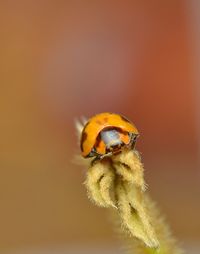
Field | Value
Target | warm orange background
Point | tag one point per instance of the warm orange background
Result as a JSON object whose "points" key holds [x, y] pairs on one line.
{"points": [[61, 60]]}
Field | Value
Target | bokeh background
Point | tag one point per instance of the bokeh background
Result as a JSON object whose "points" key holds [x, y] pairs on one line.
{"points": [[61, 60]]}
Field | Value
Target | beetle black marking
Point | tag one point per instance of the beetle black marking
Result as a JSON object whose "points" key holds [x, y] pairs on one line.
{"points": [[83, 138], [124, 119]]}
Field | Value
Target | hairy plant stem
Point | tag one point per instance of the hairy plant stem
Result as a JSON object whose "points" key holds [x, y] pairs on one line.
{"points": [[118, 182]]}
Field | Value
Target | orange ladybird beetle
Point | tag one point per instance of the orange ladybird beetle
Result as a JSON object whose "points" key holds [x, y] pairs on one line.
{"points": [[106, 134]]}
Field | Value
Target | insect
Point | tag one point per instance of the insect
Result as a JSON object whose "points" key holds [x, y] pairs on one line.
{"points": [[106, 134]]}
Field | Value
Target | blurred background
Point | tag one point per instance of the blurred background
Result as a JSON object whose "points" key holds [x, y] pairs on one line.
{"points": [[61, 60]]}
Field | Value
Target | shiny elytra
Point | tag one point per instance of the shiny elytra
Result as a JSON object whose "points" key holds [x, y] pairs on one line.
{"points": [[106, 134]]}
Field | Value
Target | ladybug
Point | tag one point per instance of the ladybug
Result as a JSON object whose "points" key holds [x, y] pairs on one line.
{"points": [[106, 134]]}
